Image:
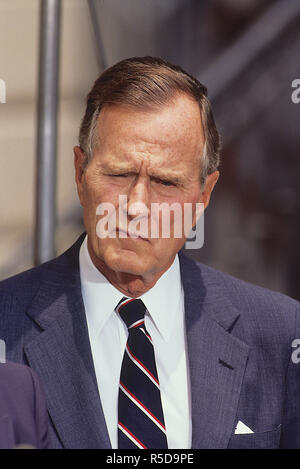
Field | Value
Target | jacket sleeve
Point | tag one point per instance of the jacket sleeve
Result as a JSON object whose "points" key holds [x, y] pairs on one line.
{"points": [[41, 414]]}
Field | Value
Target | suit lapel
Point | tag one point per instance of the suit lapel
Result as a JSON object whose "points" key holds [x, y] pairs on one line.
{"points": [[217, 359], [62, 357]]}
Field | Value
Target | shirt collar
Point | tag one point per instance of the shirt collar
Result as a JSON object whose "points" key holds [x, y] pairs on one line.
{"points": [[163, 300]]}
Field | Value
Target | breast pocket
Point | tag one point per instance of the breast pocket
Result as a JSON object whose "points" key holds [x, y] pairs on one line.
{"points": [[260, 440]]}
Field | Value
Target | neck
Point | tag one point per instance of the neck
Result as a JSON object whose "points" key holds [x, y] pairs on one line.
{"points": [[128, 284]]}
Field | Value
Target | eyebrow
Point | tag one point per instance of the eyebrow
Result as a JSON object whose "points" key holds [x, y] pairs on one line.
{"points": [[164, 176], [167, 176]]}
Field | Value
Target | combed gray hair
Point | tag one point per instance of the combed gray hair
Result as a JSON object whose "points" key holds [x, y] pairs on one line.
{"points": [[148, 83]]}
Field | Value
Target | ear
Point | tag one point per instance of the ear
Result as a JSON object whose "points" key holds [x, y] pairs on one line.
{"points": [[79, 160], [210, 183], [205, 194]]}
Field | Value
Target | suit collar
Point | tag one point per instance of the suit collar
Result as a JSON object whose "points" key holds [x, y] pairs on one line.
{"points": [[62, 274]]}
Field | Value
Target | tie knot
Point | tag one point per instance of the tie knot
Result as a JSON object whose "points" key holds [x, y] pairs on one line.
{"points": [[132, 312]]}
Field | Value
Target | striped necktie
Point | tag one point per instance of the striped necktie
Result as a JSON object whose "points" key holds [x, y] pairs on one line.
{"points": [[140, 415]]}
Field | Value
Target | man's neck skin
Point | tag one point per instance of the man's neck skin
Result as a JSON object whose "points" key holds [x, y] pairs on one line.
{"points": [[128, 284]]}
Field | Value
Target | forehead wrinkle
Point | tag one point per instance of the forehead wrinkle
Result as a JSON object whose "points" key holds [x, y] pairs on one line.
{"points": [[146, 141], [145, 138], [157, 164]]}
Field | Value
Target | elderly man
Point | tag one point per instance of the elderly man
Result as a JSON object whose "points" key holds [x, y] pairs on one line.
{"points": [[137, 345]]}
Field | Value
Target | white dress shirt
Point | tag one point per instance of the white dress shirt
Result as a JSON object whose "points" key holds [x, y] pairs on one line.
{"points": [[108, 335]]}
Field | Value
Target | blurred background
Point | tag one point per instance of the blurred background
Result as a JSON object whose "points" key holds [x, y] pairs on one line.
{"points": [[245, 51]]}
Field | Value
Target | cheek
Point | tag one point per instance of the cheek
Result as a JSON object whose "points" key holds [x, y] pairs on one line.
{"points": [[165, 249], [97, 195], [99, 191]]}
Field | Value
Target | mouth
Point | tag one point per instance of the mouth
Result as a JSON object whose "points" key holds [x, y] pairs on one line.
{"points": [[130, 234]]}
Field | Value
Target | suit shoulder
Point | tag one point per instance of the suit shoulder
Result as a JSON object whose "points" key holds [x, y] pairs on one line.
{"points": [[256, 304], [23, 285], [27, 283], [241, 290]]}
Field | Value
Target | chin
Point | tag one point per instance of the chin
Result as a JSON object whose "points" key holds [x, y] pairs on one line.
{"points": [[125, 260]]}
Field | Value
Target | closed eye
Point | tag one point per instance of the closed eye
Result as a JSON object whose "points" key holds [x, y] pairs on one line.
{"points": [[121, 175], [163, 182]]}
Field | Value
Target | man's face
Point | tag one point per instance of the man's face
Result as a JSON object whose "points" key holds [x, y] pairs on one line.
{"points": [[149, 157]]}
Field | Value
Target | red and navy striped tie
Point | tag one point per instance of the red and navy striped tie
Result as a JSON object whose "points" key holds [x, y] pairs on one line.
{"points": [[140, 415]]}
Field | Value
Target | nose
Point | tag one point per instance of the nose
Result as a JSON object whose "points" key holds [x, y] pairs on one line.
{"points": [[139, 198]]}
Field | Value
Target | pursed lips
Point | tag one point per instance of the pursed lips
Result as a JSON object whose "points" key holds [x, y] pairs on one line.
{"points": [[131, 234]]}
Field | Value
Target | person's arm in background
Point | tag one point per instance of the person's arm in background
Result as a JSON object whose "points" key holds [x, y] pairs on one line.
{"points": [[41, 414], [23, 409]]}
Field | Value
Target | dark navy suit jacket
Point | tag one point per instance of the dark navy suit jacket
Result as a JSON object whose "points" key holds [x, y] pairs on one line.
{"points": [[23, 410], [239, 340]]}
